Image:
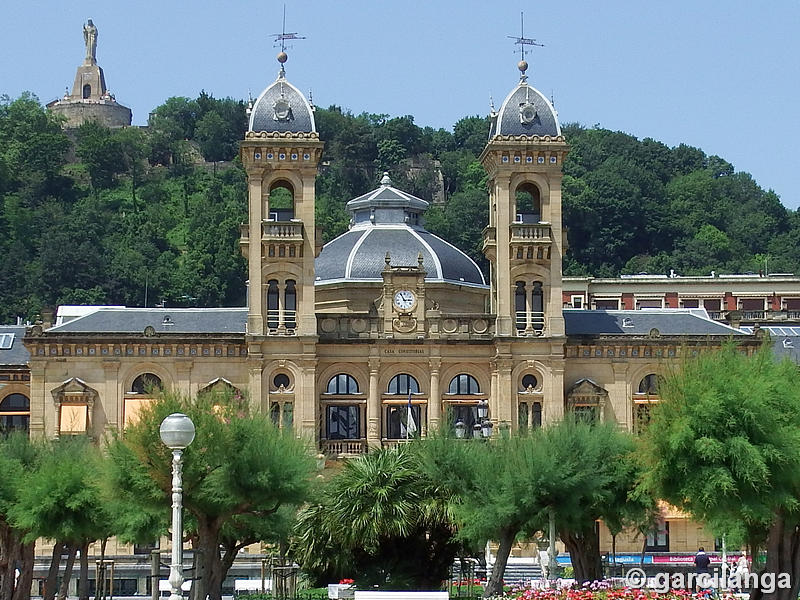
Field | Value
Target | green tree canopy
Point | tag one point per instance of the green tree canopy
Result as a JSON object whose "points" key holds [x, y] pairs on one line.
{"points": [[239, 471], [724, 445]]}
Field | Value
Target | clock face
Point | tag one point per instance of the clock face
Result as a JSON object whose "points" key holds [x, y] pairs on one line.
{"points": [[404, 299]]}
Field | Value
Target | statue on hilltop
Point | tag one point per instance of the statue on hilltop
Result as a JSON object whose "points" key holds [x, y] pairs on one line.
{"points": [[90, 38]]}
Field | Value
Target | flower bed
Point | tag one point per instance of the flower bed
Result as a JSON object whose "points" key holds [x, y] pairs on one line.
{"points": [[603, 590]]}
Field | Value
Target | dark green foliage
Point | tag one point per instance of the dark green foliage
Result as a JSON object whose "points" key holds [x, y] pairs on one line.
{"points": [[140, 219], [242, 479], [724, 445], [381, 521]]}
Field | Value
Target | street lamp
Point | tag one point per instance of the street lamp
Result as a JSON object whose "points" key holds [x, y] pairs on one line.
{"points": [[460, 427], [484, 426], [177, 432]]}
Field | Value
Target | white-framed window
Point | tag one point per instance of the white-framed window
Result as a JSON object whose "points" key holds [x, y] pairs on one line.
{"points": [[576, 301]]}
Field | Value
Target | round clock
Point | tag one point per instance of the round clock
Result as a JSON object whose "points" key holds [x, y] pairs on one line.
{"points": [[405, 299]]}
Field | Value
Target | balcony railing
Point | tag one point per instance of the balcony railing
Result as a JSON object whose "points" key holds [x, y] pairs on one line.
{"points": [[281, 322], [531, 326], [344, 447], [282, 230], [531, 232]]}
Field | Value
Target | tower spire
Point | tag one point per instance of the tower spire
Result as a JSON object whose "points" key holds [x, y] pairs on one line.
{"points": [[522, 41], [281, 38]]}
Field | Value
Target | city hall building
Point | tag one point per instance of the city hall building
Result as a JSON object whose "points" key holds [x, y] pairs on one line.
{"points": [[340, 342]]}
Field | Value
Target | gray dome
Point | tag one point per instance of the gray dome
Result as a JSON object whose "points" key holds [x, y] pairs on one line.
{"points": [[388, 220], [281, 107], [525, 112]]}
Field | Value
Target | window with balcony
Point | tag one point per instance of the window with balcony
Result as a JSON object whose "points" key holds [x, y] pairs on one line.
{"points": [[463, 401], [343, 409], [403, 407]]}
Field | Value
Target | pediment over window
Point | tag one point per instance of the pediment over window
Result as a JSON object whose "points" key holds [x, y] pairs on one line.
{"points": [[74, 401], [586, 387], [74, 391], [220, 384]]}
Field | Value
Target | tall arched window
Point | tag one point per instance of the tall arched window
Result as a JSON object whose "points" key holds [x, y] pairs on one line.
{"points": [[343, 416], [15, 413], [87, 91], [646, 395], [273, 309], [403, 414], [290, 304], [529, 402], [529, 205], [520, 306], [537, 307], [463, 395]]}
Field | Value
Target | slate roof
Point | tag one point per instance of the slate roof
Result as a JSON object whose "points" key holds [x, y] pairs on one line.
{"points": [[668, 321], [507, 121], [162, 320], [785, 340], [359, 255], [263, 115], [16, 355]]}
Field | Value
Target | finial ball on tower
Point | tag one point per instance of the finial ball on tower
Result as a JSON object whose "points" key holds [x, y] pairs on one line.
{"points": [[282, 57], [522, 66]]}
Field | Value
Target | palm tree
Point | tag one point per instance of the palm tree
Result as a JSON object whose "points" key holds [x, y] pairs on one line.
{"points": [[381, 518]]}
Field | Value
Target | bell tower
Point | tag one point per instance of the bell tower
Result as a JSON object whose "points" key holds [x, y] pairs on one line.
{"points": [[280, 154], [524, 240]]}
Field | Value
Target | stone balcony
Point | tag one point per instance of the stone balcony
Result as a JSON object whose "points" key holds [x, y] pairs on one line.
{"points": [[528, 241], [280, 238]]}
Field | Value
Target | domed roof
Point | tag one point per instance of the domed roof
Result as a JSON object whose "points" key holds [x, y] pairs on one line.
{"points": [[525, 111], [388, 220], [281, 107]]}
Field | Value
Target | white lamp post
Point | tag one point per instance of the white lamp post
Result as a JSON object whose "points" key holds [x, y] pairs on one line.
{"points": [[177, 432]]}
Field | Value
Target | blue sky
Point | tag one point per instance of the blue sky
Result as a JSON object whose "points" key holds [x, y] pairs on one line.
{"points": [[723, 76]]}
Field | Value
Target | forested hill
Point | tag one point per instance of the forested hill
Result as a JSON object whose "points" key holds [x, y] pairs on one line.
{"points": [[143, 216]]}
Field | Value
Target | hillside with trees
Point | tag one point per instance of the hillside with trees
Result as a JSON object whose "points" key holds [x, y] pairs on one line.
{"points": [[140, 216]]}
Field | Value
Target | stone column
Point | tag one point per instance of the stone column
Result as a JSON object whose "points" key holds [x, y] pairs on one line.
{"points": [[257, 400], [255, 318], [308, 414], [505, 325], [113, 402], [502, 411], [38, 399], [434, 396], [553, 404], [183, 369], [373, 406]]}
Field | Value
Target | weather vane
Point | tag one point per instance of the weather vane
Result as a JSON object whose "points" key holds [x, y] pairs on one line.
{"points": [[522, 41], [283, 36]]}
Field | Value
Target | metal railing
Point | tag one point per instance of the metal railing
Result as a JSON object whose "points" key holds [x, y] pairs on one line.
{"points": [[534, 324], [281, 322]]}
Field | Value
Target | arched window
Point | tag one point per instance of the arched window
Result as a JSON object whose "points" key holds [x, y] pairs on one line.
{"points": [[463, 385], [403, 385], [146, 383], [15, 413], [646, 395], [281, 201], [529, 205], [520, 308], [273, 311], [290, 304], [343, 416], [400, 422], [87, 91], [649, 385], [342, 384], [537, 306]]}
